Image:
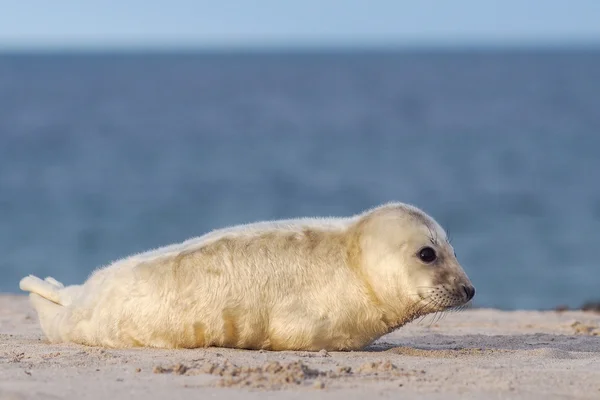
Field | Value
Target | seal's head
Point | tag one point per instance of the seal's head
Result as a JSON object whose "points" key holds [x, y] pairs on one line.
{"points": [[409, 262]]}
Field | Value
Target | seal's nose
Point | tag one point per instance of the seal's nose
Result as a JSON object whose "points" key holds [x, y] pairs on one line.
{"points": [[469, 291]]}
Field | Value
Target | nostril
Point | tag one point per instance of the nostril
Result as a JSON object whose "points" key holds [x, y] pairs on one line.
{"points": [[469, 291]]}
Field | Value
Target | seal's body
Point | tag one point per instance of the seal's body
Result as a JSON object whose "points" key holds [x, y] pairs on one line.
{"points": [[305, 284]]}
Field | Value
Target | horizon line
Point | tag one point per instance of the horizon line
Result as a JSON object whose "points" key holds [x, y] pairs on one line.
{"points": [[299, 48]]}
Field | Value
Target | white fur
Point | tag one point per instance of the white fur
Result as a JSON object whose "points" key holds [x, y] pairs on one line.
{"points": [[333, 283]]}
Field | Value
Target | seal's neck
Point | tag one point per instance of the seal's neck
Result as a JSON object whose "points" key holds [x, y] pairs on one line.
{"points": [[392, 309]]}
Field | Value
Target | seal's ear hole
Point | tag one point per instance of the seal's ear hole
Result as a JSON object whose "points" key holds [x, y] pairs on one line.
{"points": [[427, 255]]}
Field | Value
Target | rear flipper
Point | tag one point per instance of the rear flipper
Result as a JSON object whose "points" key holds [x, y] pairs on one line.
{"points": [[48, 289], [47, 300]]}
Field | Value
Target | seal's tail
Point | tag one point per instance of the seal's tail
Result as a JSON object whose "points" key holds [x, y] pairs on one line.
{"points": [[48, 301]]}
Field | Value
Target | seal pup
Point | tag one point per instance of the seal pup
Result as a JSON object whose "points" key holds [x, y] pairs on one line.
{"points": [[298, 284]]}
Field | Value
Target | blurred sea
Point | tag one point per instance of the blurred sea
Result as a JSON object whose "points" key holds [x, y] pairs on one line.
{"points": [[105, 155]]}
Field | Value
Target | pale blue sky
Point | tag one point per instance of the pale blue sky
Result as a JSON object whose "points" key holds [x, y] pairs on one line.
{"points": [[218, 23]]}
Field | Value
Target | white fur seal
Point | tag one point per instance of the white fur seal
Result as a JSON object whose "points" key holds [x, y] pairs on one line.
{"points": [[300, 284]]}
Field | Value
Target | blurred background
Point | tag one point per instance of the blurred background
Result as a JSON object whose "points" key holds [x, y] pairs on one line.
{"points": [[126, 126]]}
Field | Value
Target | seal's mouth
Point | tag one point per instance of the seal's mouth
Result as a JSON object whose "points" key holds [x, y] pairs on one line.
{"points": [[445, 298]]}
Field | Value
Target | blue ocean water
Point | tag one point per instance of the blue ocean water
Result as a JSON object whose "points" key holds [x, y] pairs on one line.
{"points": [[105, 155]]}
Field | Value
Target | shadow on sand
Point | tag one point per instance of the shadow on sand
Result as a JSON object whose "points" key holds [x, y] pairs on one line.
{"points": [[436, 345]]}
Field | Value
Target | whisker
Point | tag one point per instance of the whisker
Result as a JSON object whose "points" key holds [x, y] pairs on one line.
{"points": [[432, 319], [439, 316], [422, 318], [436, 317], [435, 303], [421, 308], [428, 301]]}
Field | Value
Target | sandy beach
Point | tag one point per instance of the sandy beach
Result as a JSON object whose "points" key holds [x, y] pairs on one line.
{"points": [[473, 354]]}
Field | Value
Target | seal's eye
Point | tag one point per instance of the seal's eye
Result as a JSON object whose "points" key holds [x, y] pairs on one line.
{"points": [[427, 255]]}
